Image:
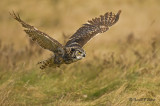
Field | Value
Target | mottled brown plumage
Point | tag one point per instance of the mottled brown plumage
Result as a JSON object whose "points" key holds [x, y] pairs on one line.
{"points": [[72, 51], [93, 27], [41, 38]]}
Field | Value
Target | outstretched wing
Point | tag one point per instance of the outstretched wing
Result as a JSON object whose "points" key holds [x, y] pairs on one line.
{"points": [[39, 37], [93, 27]]}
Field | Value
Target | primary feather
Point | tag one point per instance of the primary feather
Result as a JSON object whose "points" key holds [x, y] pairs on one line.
{"points": [[41, 38], [93, 27]]}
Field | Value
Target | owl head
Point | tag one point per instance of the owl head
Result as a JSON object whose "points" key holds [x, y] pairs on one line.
{"points": [[77, 53]]}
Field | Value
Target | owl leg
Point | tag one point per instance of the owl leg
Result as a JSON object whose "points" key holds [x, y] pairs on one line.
{"points": [[46, 63], [50, 62]]}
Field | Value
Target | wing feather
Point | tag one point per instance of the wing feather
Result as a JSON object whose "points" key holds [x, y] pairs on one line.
{"points": [[93, 27], [41, 38]]}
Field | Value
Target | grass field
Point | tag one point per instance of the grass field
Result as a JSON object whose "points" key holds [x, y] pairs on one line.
{"points": [[122, 66]]}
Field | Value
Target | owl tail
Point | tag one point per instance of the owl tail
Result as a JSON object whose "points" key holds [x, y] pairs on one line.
{"points": [[47, 63]]}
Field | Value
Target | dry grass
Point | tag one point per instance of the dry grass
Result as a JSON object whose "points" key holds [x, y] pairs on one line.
{"points": [[122, 63]]}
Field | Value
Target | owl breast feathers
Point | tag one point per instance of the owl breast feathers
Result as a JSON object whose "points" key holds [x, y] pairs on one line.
{"points": [[72, 51]]}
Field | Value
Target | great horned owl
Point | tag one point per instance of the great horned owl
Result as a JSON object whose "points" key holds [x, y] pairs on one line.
{"points": [[72, 51]]}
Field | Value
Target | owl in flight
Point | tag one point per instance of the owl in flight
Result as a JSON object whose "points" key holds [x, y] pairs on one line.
{"points": [[72, 51]]}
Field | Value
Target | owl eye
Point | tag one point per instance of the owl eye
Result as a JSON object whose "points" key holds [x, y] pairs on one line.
{"points": [[72, 49], [79, 52]]}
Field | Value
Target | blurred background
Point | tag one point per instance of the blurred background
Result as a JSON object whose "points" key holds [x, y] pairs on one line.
{"points": [[57, 17], [130, 48]]}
